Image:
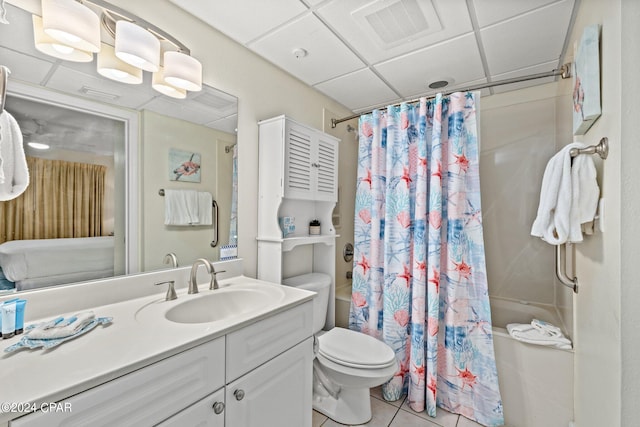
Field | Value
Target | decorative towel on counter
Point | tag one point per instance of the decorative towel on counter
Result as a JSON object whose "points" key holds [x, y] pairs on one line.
{"points": [[181, 207], [54, 332], [540, 333], [14, 173], [568, 197]]}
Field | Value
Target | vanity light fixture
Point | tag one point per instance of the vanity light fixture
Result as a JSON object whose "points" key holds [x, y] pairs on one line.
{"points": [[72, 24], [71, 30], [159, 83], [52, 47], [182, 71], [137, 46], [112, 67]]}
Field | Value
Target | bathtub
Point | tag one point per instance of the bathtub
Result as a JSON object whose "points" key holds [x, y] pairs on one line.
{"points": [[536, 382]]}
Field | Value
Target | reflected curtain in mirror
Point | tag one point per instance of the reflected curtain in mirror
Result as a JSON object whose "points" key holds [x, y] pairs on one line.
{"points": [[65, 199]]}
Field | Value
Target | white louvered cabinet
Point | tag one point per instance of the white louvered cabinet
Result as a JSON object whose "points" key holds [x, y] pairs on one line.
{"points": [[310, 163], [298, 177]]}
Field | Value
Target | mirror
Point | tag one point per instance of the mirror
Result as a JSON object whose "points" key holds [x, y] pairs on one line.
{"points": [[136, 136]]}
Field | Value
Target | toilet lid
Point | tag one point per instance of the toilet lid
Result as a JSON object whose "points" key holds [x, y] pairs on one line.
{"points": [[355, 349]]}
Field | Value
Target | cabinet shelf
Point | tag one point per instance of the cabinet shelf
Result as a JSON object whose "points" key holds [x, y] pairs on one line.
{"points": [[288, 243]]}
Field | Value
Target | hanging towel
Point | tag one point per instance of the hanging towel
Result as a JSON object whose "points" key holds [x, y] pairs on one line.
{"points": [[14, 173], [181, 207], [568, 197], [205, 208], [527, 332]]}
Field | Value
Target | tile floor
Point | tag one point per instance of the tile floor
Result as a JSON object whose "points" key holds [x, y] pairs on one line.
{"points": [[398, 414]]}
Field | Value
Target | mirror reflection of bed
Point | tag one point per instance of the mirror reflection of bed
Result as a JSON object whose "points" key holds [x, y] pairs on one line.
{"points": [[62, 228]]}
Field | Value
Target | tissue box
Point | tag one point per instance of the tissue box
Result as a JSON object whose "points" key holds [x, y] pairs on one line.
{"points": [[287, 225]]}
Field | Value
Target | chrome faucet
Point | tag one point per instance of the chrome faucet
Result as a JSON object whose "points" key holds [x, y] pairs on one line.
{"points": [[172, 259], [193, 284]]}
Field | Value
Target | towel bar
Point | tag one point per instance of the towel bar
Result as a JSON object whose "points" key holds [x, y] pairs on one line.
{"points": [[561, 265], [214, 205]]}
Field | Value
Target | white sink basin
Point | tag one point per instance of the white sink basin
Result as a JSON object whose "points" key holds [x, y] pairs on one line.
{"points": [[219, 304], [214, 305]]}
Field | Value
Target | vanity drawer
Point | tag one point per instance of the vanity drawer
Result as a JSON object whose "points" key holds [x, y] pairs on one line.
{"points": [[250, 347], [143, 397]]}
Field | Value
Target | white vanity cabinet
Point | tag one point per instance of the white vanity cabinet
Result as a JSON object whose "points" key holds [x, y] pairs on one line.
{"points": [[258, 375], [144, 397]]}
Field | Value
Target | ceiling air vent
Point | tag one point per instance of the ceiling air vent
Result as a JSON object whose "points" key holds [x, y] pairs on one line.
{"points": [[394, 22], [214, 99]]}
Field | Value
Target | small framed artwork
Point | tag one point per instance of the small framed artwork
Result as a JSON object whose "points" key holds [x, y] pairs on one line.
{"points": [[586, 81], [184, 166]]}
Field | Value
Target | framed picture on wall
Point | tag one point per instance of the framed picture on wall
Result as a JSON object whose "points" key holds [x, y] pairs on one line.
{"points": [[184, 166], [586, 81]]}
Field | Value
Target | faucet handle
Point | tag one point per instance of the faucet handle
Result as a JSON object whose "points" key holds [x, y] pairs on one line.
{"points": [[171, 292], [214, 279]]}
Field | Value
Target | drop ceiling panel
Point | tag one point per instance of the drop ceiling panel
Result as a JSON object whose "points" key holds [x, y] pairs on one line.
{"points": [[457, 61], [492, 11], [71, 81], [24, 67], [180, 110], [326, 57], [227, 124], [243, 20], [527, 40], [359, 90], [388, 28]]}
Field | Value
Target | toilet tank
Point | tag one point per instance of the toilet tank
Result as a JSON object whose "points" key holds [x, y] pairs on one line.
{"points": [[316, 282]]}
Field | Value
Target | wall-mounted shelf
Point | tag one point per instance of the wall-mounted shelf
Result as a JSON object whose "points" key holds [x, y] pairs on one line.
{"points": [[288, 243]]}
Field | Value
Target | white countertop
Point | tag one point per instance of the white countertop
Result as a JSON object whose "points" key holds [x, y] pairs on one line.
{"points": [[130, 342]]}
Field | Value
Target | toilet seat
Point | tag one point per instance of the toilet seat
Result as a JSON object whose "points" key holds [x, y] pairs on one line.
{"points": [[354, 349]]}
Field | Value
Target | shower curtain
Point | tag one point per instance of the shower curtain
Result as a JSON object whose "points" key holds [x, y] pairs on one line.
{"points": [[419, 276]]}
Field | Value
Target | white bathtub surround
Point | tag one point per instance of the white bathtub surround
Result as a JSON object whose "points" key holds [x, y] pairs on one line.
{"points": [[536, 382], [107, 352]]}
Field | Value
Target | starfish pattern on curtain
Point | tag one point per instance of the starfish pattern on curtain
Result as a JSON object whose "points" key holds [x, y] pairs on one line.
{"points": [[419, 276]]}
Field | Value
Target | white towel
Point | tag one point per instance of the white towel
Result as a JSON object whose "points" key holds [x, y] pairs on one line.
{"points": [[181, 207], [526, 332], [205, 208], [14, 173], [568, 197]]}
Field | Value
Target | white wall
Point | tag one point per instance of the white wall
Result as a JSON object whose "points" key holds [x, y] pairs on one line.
{"points": [[630, 196], [598, 313]]}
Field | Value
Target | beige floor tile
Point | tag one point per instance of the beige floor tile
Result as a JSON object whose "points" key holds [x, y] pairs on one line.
{"points": [[466, 422], [407, 419], [317, 419], [382, 414], [377, 393], [443, 418]]}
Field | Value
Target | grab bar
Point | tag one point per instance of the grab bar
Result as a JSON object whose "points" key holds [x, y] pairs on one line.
{"points": [[214, 242], [602, 150], [561, 265]]}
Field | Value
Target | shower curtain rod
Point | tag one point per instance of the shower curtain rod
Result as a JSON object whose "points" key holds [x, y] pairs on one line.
{"points": [[564, 72]]}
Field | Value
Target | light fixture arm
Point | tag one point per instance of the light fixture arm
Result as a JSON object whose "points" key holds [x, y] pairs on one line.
{"points": [[109, 23]]}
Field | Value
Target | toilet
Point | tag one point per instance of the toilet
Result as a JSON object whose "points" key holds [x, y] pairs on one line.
{"points": [[346, 363]]}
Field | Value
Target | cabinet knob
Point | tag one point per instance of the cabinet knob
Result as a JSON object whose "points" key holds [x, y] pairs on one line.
{"points": [[239, 394], [218, 407]]}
